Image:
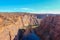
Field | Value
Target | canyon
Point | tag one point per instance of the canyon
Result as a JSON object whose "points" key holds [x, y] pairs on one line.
{"points": [[10, 23], [46, 27]]}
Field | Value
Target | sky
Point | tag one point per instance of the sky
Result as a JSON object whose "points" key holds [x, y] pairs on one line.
{"points": [[33, 6]]}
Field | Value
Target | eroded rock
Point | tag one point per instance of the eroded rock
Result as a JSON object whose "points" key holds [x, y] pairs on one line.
{"points": [[49, 28], [11, 23]]}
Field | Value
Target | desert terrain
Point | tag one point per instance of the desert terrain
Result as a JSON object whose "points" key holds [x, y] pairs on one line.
{"points": [[46, 27]]}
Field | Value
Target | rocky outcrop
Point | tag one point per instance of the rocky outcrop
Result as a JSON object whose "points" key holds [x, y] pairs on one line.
{"points": [[11, 23], [49, 28]]}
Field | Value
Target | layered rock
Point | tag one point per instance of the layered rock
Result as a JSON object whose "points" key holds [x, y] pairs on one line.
{"points": [[11, 23], [49, 28]]}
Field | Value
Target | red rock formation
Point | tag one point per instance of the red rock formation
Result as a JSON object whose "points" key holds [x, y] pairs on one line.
{"points": [[49, 28]]}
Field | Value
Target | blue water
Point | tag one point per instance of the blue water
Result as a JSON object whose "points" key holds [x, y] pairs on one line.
{"points": [[31, 36]]}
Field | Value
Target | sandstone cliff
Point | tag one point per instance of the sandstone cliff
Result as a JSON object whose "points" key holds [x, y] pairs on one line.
{"points": [[11, 23], [49, 28]]}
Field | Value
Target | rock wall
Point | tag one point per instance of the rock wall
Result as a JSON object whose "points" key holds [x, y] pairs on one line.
{"points": [[11, 23], [49, 28]]}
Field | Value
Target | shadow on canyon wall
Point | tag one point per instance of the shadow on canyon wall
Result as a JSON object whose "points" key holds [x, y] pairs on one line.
{"points": [[19, 34], [49, 28]]}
